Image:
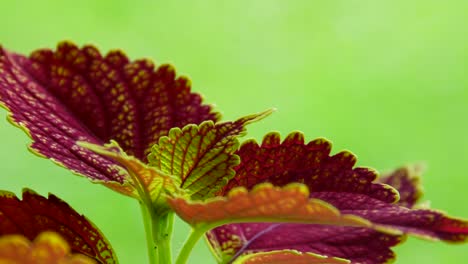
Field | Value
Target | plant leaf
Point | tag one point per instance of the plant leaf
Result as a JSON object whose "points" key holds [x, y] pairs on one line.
{"points": [[294, 161], [48, 248], [287, 256], [429, 224], [333, 180], [265, 203], [408, 183], [201, 157], [143, 180], [286, 206], [76, 94], [35, 214], [359, 245]]}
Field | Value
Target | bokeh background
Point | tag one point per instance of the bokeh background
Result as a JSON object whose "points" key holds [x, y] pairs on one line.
{"points": [[385, 79]]}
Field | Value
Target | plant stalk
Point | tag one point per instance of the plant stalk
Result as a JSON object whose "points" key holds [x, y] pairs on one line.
{"points": [[187, 248], [162, 235], [150, 245], [158, 229]]}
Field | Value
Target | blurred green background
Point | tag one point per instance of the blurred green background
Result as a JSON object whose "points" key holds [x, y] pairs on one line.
{"points": [[385, 79]]}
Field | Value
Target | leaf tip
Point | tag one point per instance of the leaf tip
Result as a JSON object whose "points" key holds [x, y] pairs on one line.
{"points": [[265, 113]]}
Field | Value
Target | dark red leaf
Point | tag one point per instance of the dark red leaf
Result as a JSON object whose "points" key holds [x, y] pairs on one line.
{"points": [[76, 94], [429, 224], [360, 245], [408, 183], [289, 161], [332, 179], [35, 214]]}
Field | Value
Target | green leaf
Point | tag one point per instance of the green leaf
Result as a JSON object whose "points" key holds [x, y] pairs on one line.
{"points": [[202, 156]]}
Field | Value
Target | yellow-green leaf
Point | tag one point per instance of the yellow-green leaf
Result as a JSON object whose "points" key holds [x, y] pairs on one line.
{"points": [[201, 156]]}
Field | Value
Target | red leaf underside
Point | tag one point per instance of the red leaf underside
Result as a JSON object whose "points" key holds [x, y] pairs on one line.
{"points": [[76, 94], [359, 245]]}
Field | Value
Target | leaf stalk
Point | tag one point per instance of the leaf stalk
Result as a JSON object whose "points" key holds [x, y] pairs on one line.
{"points": [[189, 244]]}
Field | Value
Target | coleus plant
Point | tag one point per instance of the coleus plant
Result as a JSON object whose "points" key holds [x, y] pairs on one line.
{"points": [[139, 130]]}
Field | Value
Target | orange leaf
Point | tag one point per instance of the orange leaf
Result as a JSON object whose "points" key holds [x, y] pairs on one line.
{"points": [[288, 256], [48, 248], [265, 203]]}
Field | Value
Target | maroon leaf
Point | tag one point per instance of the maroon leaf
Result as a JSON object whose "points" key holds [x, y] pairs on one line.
{"points": [[76, 94], [360, 245], [429, 224], [406, 180], [289, 204], [311, 164], [332, 179], [35, 214]]}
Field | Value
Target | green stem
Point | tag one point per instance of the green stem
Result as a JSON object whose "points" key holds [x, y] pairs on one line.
{"points": [[191, 241], [162, 234], [158, 228], [151, 247]]}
